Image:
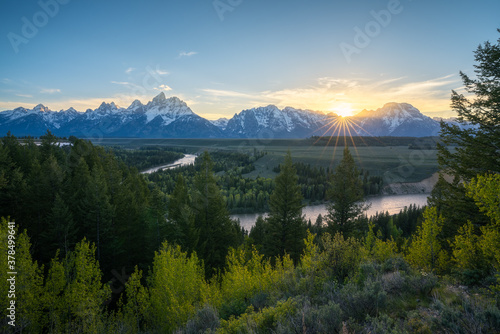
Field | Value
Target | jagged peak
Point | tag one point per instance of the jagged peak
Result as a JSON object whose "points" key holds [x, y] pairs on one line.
{"points": [[41, 108], [69, 110], [160, 98], [107, 106], [402, 105], [136, 104]]}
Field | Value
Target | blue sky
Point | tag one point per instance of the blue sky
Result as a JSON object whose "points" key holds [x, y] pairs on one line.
{"points": [[227, 55]]}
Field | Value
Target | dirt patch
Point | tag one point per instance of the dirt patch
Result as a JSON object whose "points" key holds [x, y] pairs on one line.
{"points": [[405, 188]]}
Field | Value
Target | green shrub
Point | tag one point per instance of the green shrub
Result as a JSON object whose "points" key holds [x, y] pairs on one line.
{"points": [[313, 318], [264, 321], [206, 320], [474, 315], [358, 303]]}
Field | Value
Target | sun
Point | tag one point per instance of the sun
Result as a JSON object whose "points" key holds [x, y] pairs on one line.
{"points": [[343, 109]]}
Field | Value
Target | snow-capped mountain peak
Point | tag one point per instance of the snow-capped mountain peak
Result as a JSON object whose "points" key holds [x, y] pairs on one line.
{"points": [[70, 110], [264, 121], [396, 119], [107, 107], [171, 117], [168, 109], [135, 105], [41, 108], [221, 123], [159, 98]]}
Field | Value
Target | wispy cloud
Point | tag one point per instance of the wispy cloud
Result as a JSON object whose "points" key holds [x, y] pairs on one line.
{"points": [[186, 54], [161, 72], [163, 88], [129, 70], [50, 90], [329, 93], [125, 83], [226, 93], [24, 95]]}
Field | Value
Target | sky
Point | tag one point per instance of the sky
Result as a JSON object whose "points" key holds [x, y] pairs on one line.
{"points": [[224, 56]]}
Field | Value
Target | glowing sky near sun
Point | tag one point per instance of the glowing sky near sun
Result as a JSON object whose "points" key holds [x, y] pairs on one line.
{"points": [[224, 56]]}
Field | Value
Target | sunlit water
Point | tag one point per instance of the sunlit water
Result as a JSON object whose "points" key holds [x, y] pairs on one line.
{"points": [[390, 203], [186, 161]]}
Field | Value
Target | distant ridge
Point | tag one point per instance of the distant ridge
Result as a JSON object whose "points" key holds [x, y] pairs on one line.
{"points": [[172, 118]]}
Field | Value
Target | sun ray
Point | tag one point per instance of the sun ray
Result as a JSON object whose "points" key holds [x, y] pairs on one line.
{"points": [[341, 128]]}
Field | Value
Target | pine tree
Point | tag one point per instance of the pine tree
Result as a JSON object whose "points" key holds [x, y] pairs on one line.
{"points": [[181, 229], [346, 196], [158, 211], [217, 232], [286, 228], [258, 233], [477, 146], [61, 230], [98, 216]]}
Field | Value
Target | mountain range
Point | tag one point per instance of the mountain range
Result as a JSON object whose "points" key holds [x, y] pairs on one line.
{"points": [[172, 118]]}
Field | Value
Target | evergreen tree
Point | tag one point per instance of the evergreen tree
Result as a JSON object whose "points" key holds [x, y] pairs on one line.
{"points": [[181, 229], [318, 227], [61, 230], [346, 196], [478, 143], [98, 216], [286, 228], [258, 233], [217, 232], [158, 211]]}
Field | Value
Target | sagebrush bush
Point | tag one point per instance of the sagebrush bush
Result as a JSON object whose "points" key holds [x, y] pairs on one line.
{"points": [[474, 315], [206, 320], [313, 318], [357, 302]]}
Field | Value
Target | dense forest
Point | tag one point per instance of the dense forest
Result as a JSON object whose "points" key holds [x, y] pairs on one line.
{"points": [[99, 248], [147, 156]]}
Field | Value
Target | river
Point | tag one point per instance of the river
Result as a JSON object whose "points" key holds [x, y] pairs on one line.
{"points": [[391, 203], [188, 159]]}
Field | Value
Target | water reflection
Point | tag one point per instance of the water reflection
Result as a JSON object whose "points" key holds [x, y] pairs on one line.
{"points": [[390, 203]]}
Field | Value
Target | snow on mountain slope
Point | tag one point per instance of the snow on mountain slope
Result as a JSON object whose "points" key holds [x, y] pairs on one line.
{"points": [[221, 123], [168, 110], [159, 118], [172, 118], [396, 119], [271, 121]]}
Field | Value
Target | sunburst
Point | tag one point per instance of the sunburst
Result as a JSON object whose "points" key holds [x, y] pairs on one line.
{"points": [[341, 128]]}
